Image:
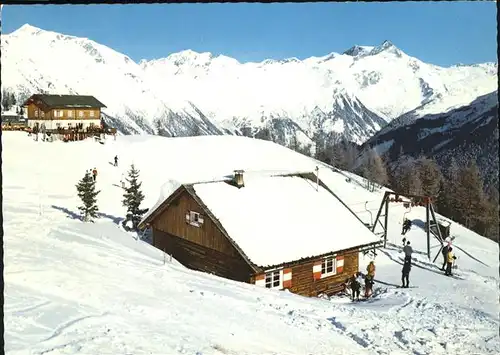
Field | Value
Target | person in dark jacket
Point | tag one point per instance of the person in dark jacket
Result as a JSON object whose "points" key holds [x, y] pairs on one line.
{"points": [[355, 285], [444, 251], [408, 251], [405, 278], [116, 160], [406, 226]]}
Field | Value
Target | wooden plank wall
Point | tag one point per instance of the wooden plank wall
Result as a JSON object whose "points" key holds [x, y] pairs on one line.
{"points": [[51, 115], [173, 221], [304, 284], [199, 257]]}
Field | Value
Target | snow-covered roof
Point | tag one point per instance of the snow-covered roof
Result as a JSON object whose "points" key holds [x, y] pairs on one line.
{"points": [[278, 219]]}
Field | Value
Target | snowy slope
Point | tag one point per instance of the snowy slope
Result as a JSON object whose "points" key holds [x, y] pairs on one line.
{"points": [[74, 288], [353, 93]]}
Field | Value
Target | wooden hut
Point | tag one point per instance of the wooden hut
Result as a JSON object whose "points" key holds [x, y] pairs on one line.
{"points": [[65, 112], [283, 232]]}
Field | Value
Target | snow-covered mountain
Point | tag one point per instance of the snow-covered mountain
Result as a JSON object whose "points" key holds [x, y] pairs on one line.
{"points": [[354, 93], [463, 133]]}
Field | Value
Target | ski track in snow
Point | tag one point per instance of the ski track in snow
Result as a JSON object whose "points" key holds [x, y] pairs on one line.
{"points": [[72, 287]]}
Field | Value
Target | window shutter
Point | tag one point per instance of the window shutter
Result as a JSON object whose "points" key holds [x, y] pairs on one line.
{"points": [[287, 278], [317, 270], [340, 264], [260, 280]]}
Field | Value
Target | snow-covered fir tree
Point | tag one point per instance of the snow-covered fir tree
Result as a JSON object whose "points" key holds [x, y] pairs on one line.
{"points": [[88, 194], [132, 198]]}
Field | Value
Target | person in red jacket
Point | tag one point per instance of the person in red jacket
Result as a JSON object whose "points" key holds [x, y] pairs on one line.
{"points": [[94, 173]]}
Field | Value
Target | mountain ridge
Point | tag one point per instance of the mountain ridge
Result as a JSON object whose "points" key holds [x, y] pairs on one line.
{"points": [[189, 93]]}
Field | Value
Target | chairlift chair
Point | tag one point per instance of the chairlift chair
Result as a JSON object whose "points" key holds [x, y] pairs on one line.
{"points": [[407, 205]]}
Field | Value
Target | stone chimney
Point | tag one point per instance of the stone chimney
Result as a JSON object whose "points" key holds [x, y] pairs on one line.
{"points": [[238, 178]]}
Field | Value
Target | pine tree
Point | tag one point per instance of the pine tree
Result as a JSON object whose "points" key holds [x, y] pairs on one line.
{"points": [[453, 202], [6, 100], [492, 227], [133, 197], [430, 176], [402, 175], [88, 194], [374, 168], [471, 201]]}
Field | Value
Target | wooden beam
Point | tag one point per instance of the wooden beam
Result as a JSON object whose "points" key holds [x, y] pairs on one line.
{"points": [[386, 194], [428, 231], [386, 220]]}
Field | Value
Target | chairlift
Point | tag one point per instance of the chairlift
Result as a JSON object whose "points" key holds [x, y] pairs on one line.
{"points": [[371, 216], [407, 205]]}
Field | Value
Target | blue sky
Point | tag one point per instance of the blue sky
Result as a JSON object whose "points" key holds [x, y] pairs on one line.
{"points": [[440, 33]]}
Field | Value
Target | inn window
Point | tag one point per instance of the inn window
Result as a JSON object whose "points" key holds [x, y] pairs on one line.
{"points": [[273, 279], [328, 267], [70, 113], [91, 113], [80, 113]]}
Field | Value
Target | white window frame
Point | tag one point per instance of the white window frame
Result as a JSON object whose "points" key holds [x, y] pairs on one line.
{"points": [[195, 219], [70, 113], [42, 114], [91, 113], [36, 113], [325, 265], [80, 114], [273, 276]]}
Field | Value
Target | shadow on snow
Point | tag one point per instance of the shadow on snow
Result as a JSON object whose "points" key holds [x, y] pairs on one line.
{"points": [[74, 215]]}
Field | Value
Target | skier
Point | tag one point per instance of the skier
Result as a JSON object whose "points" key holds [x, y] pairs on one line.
{"points": [[406, 274], [94, 173], [368, 286], [369, 278], [406, 226], [408, 250], [116, 160], [445, 251], [355, 283], [449, 261]]}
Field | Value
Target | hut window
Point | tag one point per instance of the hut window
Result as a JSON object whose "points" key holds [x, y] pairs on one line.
{"points": [[194, 219], [70, 113], [42, 114], [36, 113], [273, 279], [328, 267], [91, 113], [80, 113]]}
